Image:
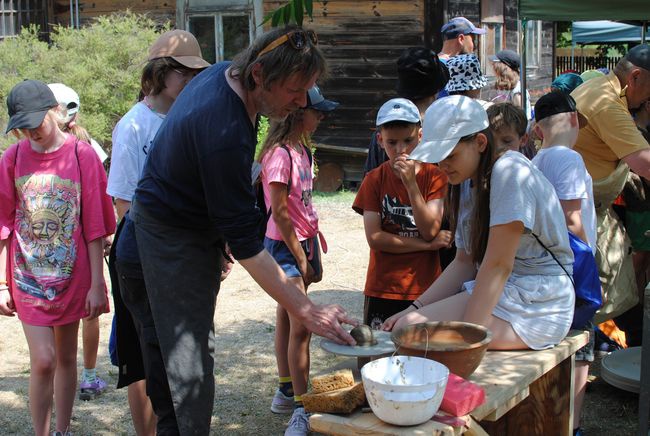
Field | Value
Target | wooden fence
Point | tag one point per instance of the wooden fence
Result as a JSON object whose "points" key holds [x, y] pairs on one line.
{"points": [[583, 63]]}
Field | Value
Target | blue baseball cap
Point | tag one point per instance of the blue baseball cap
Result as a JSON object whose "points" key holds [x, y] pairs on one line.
{"points": [[398, 109], [459, 26], [316, 101]]}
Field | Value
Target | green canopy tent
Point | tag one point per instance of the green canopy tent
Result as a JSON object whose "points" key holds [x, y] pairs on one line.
{"points": [[587, 10], [578, 10]]}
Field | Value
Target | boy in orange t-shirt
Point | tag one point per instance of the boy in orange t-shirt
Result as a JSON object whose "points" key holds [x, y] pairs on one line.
{"points": [[402, 206]]}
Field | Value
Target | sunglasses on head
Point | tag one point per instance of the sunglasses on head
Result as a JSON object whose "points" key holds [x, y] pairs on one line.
{"points": [[298, 39]]}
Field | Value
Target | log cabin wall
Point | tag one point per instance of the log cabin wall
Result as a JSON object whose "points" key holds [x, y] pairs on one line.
{"points": [[161, 11], [362, 41]]}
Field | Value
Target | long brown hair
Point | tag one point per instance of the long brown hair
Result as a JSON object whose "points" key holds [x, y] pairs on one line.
{"points": [[506, 77], [480, 218], [280, 131]]}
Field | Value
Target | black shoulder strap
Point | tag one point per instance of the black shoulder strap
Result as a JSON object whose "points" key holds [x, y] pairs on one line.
{"points": [[555, 258]]}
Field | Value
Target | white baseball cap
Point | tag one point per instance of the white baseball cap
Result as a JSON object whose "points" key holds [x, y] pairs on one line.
{"points": [[66, 96], [398, 109], [446, 121]]}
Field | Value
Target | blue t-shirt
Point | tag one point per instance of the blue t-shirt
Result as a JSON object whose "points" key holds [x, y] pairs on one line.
{"points": [[198, 173]]}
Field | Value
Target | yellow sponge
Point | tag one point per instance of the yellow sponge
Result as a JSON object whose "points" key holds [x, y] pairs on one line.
{"points": [[343, 400], [329, 382]]}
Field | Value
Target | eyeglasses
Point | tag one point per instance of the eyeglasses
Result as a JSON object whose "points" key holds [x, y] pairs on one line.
{"points": [[186, 74], [298, 39]]}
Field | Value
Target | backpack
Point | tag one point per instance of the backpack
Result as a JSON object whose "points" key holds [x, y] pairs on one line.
{"points": [[585, 280], [256, 177]]}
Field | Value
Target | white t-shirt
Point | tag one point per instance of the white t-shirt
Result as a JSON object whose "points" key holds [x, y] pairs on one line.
{"points": [[132, 139], [99, 150], [566, 171], [537, 298], [529, 108]]}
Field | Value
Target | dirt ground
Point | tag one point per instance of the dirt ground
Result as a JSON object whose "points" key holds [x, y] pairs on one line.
{"points": [[245, 370]]}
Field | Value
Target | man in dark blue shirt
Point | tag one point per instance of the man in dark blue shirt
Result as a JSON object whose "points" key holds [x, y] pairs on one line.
{"points": [[195, 194]]}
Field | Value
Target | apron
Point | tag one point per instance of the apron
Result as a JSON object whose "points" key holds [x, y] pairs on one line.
{"points": [[613, 248]]}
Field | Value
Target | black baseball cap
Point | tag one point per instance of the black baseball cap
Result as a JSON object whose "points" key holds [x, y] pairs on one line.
{"points": [[640, 56], [557, 102], [27, 104], [420, 73], [509, 57]]}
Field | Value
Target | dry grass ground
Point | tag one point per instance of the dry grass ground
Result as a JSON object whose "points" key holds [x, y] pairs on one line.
{"points": [[245, 364]]}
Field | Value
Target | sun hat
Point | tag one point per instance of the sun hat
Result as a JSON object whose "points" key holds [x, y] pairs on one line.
{"points": [[179, 45], [398, 109], [27, 104], [509, 57], [465, 73], [567, 82], [557, 102], [420, 73], [66, 96], [459, 26], [445, 122], [316, 100]]}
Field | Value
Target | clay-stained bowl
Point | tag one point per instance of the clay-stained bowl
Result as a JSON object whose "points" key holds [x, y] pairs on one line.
{"points": [[460, 346]]}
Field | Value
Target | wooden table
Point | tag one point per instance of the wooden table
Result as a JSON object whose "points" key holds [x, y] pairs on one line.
{"points": [[526, 393]]}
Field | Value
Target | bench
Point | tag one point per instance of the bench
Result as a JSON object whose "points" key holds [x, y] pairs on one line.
{"points": [[526, 393]]}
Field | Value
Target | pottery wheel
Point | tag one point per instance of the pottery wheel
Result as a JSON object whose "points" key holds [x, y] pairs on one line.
{"points": [[384, 346]]}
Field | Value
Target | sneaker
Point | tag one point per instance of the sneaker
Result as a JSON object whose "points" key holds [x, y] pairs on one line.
{"points": [[298, 424], [61, 433], [90, 390], [281, 403]]}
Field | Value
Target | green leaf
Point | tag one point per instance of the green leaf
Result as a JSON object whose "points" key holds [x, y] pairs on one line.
{"points": [[277, 17], [298, 11], [267, 18], [287, 14], [309, 7]]}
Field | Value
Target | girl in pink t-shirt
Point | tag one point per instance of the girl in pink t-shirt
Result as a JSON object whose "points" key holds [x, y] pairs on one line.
{"points": [[292, 239], [54, 214]]}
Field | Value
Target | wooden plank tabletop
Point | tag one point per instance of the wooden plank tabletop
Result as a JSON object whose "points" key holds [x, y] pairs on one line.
{"points": [[506, 374], [360, 424]]}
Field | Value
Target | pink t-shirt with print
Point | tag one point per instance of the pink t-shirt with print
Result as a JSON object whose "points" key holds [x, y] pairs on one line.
{"points": [[275, 168], [51, 206]]}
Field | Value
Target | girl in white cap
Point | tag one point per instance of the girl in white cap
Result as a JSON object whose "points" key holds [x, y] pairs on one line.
{"points": [[90, 385], [292, 238], [174, 59], [502, 209], [54, 215]]}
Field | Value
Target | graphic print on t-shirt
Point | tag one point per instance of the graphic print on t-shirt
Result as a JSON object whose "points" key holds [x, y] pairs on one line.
{"points": [[399, 217], [46, 220]]}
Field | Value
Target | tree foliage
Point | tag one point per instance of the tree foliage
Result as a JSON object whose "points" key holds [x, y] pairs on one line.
{"points": [[291, 13], [102, 62]]}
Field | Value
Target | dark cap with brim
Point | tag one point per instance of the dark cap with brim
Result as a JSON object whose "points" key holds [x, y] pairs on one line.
{"points": [[28, 103], [316, 101], [640, 56], [557, 102], [509, 57]]}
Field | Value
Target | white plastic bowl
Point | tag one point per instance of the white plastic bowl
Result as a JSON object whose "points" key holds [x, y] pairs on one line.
{"points": [[404, 390]]}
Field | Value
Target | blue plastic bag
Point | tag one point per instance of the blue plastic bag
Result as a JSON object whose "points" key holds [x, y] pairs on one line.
{"points": [[586, 282]]}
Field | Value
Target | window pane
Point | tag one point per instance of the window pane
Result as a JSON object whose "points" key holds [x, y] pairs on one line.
{"points": [[203, 29], [532, 43], [236, 35]]}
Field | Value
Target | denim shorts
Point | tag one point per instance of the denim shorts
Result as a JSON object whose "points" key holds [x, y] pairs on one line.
{"points": [[288, 263], [586, 353]]}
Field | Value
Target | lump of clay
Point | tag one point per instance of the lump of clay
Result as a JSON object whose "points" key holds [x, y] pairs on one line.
{"points": [[363, 335]]}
